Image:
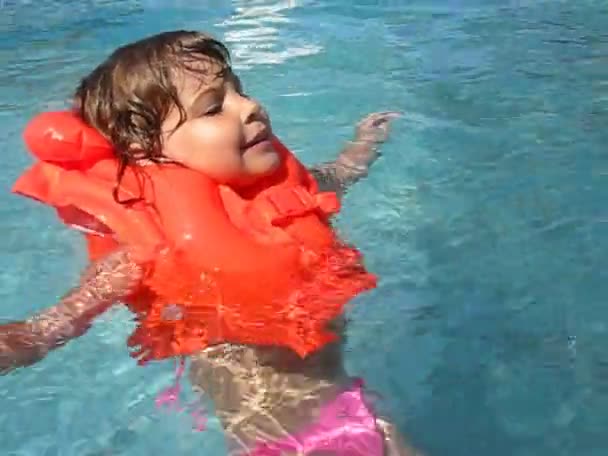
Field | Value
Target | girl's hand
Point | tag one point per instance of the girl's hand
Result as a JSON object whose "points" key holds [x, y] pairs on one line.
{"points": [[375, 127]]}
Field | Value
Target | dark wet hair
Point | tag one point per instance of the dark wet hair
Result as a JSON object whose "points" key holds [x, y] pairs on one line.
{"points": [[128, 96]]}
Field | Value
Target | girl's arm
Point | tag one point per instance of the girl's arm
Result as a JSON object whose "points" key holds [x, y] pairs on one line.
{"points": [[103, 283], [355, 159]]}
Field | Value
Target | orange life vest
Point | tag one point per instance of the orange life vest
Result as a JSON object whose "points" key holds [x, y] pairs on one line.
{"points": [[255, 266]]}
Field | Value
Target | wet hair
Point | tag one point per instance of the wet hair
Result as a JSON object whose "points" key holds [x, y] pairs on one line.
{"points": [[128, 96]]}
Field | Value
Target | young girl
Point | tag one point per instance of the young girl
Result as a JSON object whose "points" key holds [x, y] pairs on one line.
{"points": [[174, 99]]}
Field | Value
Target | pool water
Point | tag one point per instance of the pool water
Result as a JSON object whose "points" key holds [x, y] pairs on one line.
{"points": [[485, 218]]}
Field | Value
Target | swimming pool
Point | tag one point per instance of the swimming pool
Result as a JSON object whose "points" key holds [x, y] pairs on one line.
{"points": [[485, 218]]}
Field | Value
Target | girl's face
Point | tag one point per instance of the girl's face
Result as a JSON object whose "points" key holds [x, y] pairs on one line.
{"points": [[226, 134]]}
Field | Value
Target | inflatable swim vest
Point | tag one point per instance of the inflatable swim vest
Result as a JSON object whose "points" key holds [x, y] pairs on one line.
{"points": [[259, 265]]}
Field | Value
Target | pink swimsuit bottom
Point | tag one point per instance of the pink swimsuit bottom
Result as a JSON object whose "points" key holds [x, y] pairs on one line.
{"points": [[346, 427]]}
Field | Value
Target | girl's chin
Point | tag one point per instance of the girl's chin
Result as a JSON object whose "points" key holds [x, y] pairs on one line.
{"points": [[262, 163]]}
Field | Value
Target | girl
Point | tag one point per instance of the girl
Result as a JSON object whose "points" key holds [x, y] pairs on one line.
{"points": [[173, 97]]}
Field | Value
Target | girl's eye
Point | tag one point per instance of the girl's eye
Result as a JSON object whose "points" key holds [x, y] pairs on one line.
{"points": [[215, 109]]}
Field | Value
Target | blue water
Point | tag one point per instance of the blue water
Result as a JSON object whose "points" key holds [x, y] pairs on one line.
{"points": [[486, 217]]}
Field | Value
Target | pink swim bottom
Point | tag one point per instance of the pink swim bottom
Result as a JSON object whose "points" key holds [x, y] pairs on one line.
{"points": [[346, 427]]}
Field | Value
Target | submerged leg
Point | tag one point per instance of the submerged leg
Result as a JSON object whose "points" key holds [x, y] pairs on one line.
{"points": [[394, 443]]}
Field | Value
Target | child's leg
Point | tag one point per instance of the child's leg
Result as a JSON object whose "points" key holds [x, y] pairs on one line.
{"points": [[394, 443]]}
